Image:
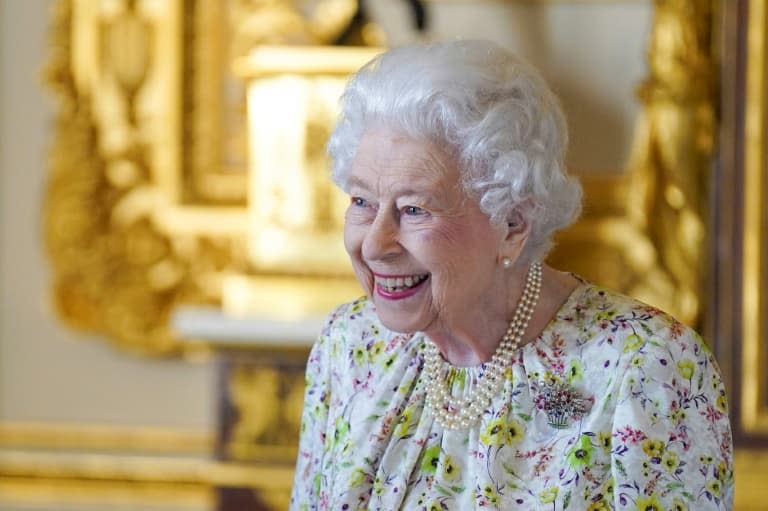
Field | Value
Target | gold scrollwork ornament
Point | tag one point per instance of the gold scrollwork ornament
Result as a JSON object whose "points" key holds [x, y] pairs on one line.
{"points": [[114, 271]]}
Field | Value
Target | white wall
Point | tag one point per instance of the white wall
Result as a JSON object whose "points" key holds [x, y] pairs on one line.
{"points": [[48, 372]]}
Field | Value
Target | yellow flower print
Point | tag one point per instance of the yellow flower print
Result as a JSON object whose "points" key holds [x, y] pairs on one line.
{"points": [[715, 487], [678, 416], [722, 403], [434, 505], [342, 430], [608, 487], [449, 469], [403, 423], [604, 439], [491, 494], [633, 343], [495, 433], [605, 315], [357, 478], [600, 505], [514, 432], [358, 354], [575, 371], [715, 383], [389, 362], [377, 349], [550, 377], [670, 461], [722, 471], [649, 504], [679, 505], [378, 486], [686, 368], [653, 448], [549, 495]]}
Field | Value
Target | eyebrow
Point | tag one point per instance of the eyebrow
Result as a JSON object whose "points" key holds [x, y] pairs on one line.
{"points": [[354, 181]]}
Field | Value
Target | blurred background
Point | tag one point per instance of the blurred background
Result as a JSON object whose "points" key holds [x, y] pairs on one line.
{"points": [[158, 296]]}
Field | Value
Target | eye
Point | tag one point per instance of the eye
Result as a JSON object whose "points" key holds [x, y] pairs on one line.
{"points": [[413, 211], [358, 201]]}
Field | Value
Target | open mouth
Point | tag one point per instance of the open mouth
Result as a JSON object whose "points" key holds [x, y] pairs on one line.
{"points": [[400, 284]]}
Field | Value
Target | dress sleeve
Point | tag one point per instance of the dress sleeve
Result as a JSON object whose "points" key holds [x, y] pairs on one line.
{"points": [[305, 495], [671, 439]]}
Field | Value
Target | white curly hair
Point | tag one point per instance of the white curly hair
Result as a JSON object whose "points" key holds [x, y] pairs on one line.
{"points": [[500, 118]]}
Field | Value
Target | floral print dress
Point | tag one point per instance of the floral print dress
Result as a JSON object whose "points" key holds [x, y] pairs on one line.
{"points": [[654, 433]]}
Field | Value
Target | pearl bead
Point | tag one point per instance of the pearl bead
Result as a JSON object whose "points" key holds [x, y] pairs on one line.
{"points": [[463, 412]]}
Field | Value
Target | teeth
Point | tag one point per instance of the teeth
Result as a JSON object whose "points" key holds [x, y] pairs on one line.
{"points": [[400, 284]]}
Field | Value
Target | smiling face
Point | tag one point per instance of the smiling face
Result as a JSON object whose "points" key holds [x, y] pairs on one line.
{"points": [[421, 248]]}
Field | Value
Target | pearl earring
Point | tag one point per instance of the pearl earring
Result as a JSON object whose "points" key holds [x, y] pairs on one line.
{"points": [[506, 262]]}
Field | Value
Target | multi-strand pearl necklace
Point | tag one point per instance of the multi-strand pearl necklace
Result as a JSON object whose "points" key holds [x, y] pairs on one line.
{"points": [[463, 412]]}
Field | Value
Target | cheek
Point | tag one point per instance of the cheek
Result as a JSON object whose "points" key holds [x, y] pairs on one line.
{"points": [[353, 242], [350, 242], [354, 234], [444, 246]]}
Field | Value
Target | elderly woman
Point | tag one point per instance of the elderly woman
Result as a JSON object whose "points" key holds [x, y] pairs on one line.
{"points": [[472, 375]]}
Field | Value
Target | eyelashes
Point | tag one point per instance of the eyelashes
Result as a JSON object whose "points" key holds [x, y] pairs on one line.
{"points": [[408, 211], [413, 211]]}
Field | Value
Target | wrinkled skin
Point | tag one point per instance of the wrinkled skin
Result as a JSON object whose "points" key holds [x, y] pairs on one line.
{"points": [[409, 217]]}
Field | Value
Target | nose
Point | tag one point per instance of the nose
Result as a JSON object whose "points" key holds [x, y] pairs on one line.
{"points": [[382, 242]]}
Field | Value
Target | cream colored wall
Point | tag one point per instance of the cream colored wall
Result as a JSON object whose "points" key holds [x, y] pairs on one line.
{"points": [[591, 51], [48, 372]]}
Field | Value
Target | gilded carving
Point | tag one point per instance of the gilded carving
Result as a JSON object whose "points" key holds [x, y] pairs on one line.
{"points": [[120, 261], [266, 401], [672, 154]]}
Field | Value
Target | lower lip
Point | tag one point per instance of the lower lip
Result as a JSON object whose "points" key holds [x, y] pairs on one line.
{"points": [[399, 295]]}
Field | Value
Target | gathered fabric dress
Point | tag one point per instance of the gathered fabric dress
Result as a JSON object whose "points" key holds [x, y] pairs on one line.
{"points": [[654, 434]]}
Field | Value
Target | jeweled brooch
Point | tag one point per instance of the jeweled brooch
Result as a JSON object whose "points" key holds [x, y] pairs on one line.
{"points": [[561, 402]]}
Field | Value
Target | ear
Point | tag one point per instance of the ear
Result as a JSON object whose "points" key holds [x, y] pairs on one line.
{"points": [[516, 235]]}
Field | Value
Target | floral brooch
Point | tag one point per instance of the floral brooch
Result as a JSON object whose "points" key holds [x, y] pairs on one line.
{"points": [[561, 402]]}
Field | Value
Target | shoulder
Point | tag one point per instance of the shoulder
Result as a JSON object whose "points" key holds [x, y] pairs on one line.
{"points": [[626, 322], [651, 345]]}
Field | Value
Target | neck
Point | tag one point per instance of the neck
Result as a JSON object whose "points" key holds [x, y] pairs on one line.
{"points": [[476, 339]]}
